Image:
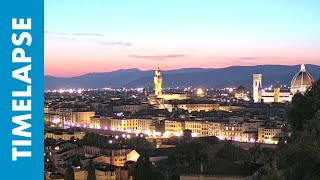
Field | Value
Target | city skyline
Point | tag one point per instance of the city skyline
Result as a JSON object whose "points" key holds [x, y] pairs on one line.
{"points": [[177, 35], [177, 69]]}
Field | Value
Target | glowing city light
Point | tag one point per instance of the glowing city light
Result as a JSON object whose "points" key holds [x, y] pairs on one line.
{"points": [[268, 141], [221, 137], [157, 133], [166, 134], [194, 134], [148, 132], [199, 92], [56, 121]]}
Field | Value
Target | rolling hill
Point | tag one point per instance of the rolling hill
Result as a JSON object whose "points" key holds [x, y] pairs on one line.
{"points": [[235, 76]]}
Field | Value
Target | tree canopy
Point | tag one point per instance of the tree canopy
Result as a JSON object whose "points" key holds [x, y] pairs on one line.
{"points": [[138, 143], [143, 169], [300, 157], [232, 153], [91, 171], [69, 173], [304, 107]]}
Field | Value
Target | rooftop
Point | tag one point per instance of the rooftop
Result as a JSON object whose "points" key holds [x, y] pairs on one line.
{"points": [[105, 167]]}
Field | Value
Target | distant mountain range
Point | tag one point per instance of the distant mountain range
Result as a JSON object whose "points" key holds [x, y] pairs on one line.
{"points": [[233, 76]]}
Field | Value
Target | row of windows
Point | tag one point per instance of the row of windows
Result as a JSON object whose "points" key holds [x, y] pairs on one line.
{"points": [[115, 160], [194, 126], [270, 134], [188, 106], [270, 130], [92, 152], [134, 124], [107, 174], [233, 128], [232, 134], [172, 126]]}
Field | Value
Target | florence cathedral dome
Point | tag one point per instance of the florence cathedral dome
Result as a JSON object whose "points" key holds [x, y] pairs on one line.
{"points": [[301, 81]]}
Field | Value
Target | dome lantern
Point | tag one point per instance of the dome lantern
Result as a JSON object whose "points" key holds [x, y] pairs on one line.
{"points": [[303, 68]]}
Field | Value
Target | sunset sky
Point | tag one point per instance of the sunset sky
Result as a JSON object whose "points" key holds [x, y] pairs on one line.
{"points": [[83, 36]]}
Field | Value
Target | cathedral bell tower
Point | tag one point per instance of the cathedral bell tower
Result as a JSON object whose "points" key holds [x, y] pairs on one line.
{"points": [[257, 82], [260, 94], [157, 82]]}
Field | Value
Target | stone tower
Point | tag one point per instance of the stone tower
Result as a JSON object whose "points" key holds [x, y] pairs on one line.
{"points": [[260, 94], [257, 82], [276, 94], [157, 82]]}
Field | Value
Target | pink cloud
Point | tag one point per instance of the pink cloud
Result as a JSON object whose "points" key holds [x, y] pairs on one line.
{"points": [[159, 57]]}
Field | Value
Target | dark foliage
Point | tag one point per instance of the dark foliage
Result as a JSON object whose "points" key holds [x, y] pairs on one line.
{"points": [[69, 173], [91, 171], [300, 158]]}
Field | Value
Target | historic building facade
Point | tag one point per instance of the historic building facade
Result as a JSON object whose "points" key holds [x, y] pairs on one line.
{"points": [[299, 84], [158, 94]]}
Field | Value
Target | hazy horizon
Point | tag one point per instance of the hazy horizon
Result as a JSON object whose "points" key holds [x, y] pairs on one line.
{"points": [[184, 68], [103, 36]]}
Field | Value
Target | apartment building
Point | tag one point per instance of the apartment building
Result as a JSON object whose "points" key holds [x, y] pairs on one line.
{"points": [[269, 135]]}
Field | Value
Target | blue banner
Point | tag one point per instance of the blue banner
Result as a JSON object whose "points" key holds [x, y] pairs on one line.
{"points": [[21, 89]]}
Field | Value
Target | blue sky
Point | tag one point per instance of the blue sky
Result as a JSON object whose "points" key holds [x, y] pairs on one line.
{"points": [[125, 34]]}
